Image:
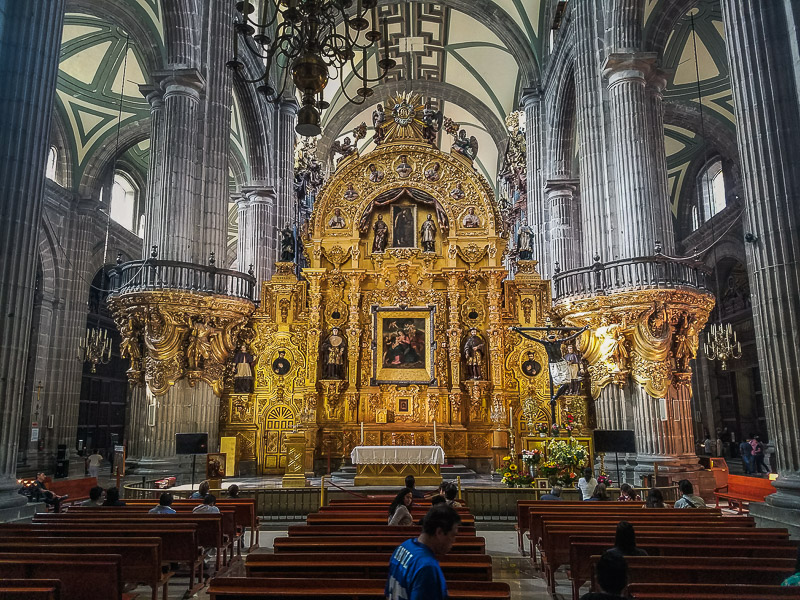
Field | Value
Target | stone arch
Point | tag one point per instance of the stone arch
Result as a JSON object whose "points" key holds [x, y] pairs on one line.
{"points": [[182, 31], [561, 115], [50, 263], [669, 12], [98, 166], [255, 112], [58, 139]]}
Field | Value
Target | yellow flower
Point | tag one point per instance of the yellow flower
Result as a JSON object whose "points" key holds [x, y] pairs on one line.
{"points": [[512, 467], [506, 458], [507, 474]]}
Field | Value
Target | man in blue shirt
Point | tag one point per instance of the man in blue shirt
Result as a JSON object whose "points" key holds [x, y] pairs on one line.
{"points": [[414, 572]]}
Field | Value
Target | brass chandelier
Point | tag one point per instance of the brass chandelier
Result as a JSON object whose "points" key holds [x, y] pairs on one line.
{"points": [[722, 344], [95, 348], [314, 40]]}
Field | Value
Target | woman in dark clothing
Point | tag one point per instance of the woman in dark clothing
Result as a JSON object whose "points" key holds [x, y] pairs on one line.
{"points": [[625, 541]]}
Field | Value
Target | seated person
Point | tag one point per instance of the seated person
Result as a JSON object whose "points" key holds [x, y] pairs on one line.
{"points": [[410, 483], [112, 498], [450, 493], [399, 513], [438, 499], [202, 491], [655, 499], [688, 499], [233, 491], [627, 493], [625, 541], [555, 494], [208, 505], [164, 505], [793, 580], [40, 493], [95, 497], [599, 494], [611, 575]]}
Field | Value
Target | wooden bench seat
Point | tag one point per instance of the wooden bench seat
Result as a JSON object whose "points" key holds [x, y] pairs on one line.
{"points": [[76, 489], [373, 543], [707, 569], [368, 519], [179, 542], [741, 490], [141, 557], [30, 589], [581, 549], [382, 508], [82, 577], [715, 591], [467, 567], [236, 588], [409, 530]]}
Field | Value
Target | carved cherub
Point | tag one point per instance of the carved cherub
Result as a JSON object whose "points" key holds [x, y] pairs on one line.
{"points": [[346, 147]]}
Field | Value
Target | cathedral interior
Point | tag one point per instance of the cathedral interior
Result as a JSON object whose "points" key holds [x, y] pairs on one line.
{"points": [[499, 219]]}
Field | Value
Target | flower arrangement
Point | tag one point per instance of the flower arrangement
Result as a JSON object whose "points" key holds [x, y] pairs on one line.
{"points": [[564, 458], [541, 428], [555, 429], [531, 458], [604, 479], [510, 474], [569, 423]]}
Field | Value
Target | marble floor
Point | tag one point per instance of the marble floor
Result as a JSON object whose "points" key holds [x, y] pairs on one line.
{"points": [[508, 566]]}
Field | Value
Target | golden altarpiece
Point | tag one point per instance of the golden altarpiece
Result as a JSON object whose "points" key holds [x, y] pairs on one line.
{"points": [[403, 319]]}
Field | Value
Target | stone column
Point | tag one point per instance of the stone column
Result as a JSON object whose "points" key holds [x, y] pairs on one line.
{"points": [[29, 51], [536, 213], [155, 218], [592, 154], [257, 237], [660, 196], [638, 230], [565, 223], [284, 164], [761, 45], [180, 188]]}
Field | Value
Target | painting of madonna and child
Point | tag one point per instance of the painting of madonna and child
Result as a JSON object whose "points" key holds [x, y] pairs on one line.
{"points": [[404, 343], [402, 353]]}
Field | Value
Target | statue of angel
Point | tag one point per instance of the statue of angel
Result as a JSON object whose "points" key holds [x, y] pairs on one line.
{"points": [[345, 148], [378, 119], [467, 147], [432, 121]]}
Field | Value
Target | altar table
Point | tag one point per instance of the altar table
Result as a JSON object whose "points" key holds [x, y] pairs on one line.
{"points": [[389, 465]]}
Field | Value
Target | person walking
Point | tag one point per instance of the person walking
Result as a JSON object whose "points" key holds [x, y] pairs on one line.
{"points": [[93, 462], [746, 451], [758, 455]]}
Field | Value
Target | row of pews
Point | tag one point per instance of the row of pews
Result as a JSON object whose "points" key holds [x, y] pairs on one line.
{"points": [[343, 552], [94, 553], [693, 553]]}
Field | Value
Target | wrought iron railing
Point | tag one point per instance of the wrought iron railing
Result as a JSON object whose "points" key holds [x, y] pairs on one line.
{"points": [[648, 272], [156, 275]]}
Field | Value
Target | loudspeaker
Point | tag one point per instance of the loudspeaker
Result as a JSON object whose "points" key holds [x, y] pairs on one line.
{"points": [[61, 454], [614, 440], [191, 443]]}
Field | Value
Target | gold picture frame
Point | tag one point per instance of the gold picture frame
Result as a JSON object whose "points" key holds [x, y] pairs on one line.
{"points": [[403, 345]]}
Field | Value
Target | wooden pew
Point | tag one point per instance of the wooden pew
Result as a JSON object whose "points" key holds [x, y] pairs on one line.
{"points": [[706, 569], [141, 557], [381, 508], [77, 489], [238, 588], [715, 591], [465, 567], [373, 543], [386, 502], [366, 519], [30, 589], [741, 490], [179, 542], [82, 577], [209, 526], [409, 530], [581, 550]]}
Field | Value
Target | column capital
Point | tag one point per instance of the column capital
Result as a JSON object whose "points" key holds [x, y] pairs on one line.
{"points": [[562, 184], [530, 95], [154, 95], [263, 194], [626, 66], [658, 79], [289, 105], [186, 81]]}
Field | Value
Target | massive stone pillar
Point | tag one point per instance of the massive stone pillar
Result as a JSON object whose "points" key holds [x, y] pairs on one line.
{"points": [[284, 164], [536, 214], [762, 43], [659, 190], [257, 237], [29, 51], [155, 218], [565, 224]]}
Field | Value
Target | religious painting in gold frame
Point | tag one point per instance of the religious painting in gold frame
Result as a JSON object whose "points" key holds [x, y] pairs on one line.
{"points": [[402, 350]]}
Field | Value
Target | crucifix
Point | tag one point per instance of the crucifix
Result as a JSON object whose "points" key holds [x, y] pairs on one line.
{"points": [[558, 370]]}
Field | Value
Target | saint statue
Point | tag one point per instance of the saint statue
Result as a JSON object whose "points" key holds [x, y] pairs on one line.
{"points": [[434, 172], [243, 377], [199, 348], [337, 220], [559, 368], [525, 241], [457, 193], [350, 193], [281, 366], [428, 234], [531, 367], [381, 235], [287, 244], [403, 169], [432, 123], [470, 219], [473, 353], [573, 359], [333, 353], [378, 119], [375, 176]]}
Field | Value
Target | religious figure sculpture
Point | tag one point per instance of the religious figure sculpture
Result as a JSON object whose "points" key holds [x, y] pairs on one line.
{"points": [[686, 342], [337, 220], [381, 235], [287, 244], [471, 220], [531, 367], [473, 353], [428, 234], [403, 230], [432, 123], [457, 193], [464, 146], [199, 348], [573, 359], [333, 353], [243, 377], [378, 119], [281, 366], [434, 172], [403, 169], [525, 241], [559, 368], [350, 193], [375, 176], [345, 148]]}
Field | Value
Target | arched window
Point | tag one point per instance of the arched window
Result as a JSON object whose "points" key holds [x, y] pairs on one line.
{"points": [[711, 193], [52, 163], [124, 194]]}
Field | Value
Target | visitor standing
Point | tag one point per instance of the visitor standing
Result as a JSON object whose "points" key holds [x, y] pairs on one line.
{"points": [[746, 450], [93, 462], [758, 455], [587, 483]]}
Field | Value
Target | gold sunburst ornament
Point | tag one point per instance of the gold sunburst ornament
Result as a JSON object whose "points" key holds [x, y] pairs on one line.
{"points": [[404, 122]]}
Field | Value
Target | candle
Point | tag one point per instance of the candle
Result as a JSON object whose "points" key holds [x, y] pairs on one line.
{"points": [[362, 433], [434, 432]]}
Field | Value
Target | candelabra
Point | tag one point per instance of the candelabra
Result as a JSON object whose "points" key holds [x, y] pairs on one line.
{"points": [[95, 348], [722, 344]]}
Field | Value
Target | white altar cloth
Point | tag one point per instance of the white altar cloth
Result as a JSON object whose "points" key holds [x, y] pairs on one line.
{"points": [[397, 455]]}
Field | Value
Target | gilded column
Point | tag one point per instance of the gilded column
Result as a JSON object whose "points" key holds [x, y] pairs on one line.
{"points": [[454, 345], [494, 282], [314, 277], [29, 53], [565, 223], [762, 47], [354, 328]]}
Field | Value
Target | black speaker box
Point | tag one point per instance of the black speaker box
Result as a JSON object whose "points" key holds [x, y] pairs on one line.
{"points": [[614, 440], [191, 443]]}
